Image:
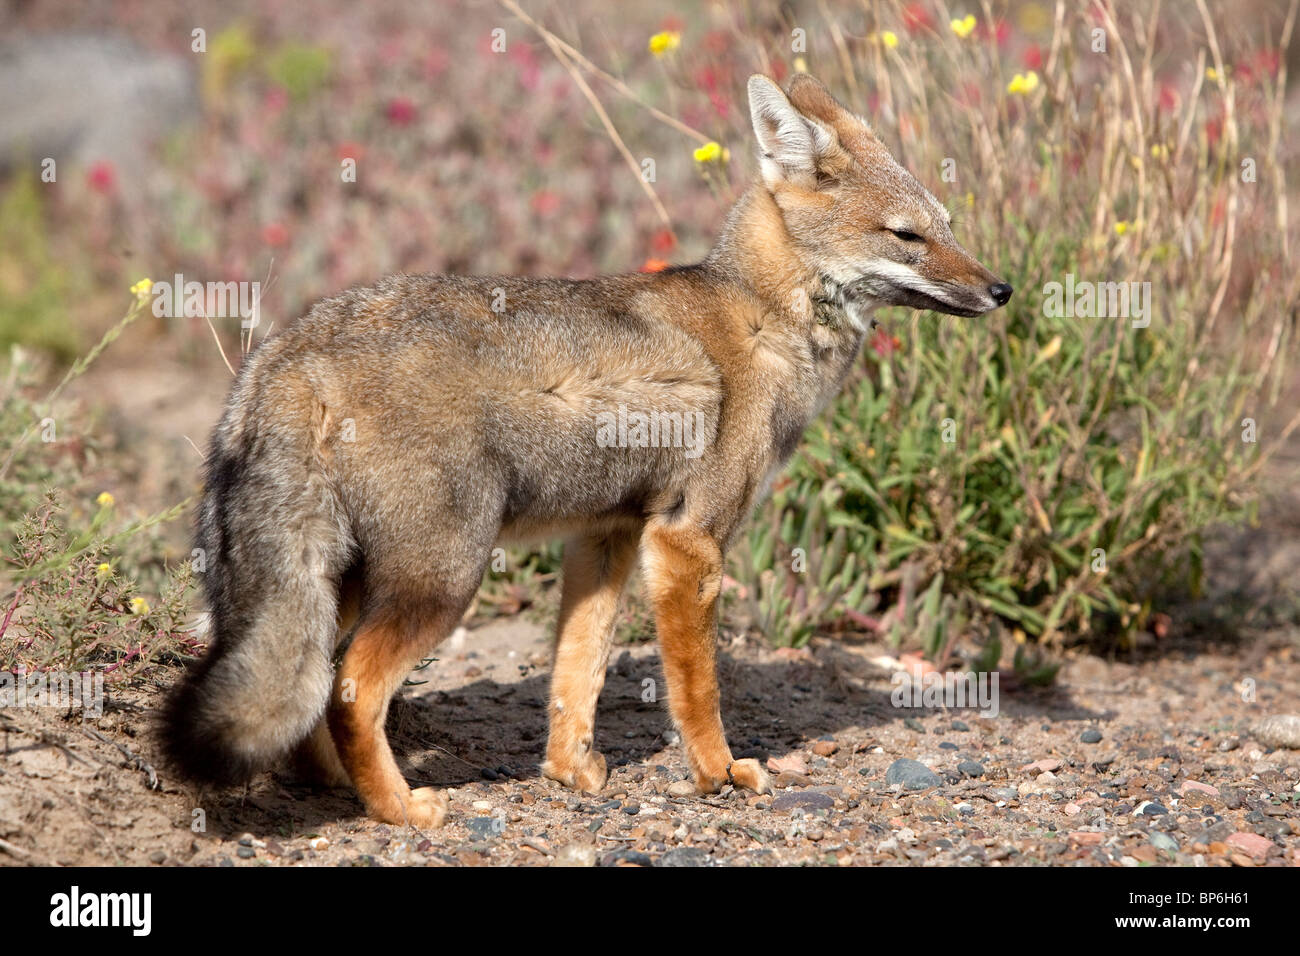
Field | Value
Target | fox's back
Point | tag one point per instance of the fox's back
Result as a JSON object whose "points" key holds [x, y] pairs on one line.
{"points": [[494, 386]]}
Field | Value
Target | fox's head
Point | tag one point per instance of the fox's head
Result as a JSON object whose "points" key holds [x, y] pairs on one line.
{"points": [[854, 215]]}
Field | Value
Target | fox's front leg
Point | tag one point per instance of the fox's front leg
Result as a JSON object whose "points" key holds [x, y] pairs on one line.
{"points": [[683, 568], [595, 570]]}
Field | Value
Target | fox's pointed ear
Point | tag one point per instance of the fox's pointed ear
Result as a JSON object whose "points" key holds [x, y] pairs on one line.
{"points": [[790, 145]]}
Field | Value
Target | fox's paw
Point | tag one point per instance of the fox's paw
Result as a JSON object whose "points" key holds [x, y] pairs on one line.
{"points": [[427, 809], [746, 774], [424, 809], [587, 773]]}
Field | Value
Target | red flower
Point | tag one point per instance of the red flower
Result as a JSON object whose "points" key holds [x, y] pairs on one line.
{"points": [[916, 17], [350, 150], [544, 202], [654, 265], [102, 177], [663, 241], [1033, 57], [275, 234], [884, 343], [400, 111], [1213, 130], [1167, 98], [276, 99]]}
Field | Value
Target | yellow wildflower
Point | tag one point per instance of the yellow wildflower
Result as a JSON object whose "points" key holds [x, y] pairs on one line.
{"points": [[963, 27], [889, 38], [142, 288], [665, 42], [139, 605], [105, 500], [711, 152], [1023, 83], [103, 570], [1121, 227]]}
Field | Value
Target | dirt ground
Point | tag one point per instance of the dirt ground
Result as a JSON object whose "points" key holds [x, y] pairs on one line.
{"points": [[1174, 775]]}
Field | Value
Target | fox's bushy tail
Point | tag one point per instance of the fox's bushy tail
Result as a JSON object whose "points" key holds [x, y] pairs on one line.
{"points": [[275, 541]]}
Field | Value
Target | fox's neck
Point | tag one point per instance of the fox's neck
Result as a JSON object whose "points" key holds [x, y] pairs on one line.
{"points": [[755, 248], [756, 252]]}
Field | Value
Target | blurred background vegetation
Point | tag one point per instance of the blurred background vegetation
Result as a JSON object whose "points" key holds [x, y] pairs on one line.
{"points": [[980, 488]]}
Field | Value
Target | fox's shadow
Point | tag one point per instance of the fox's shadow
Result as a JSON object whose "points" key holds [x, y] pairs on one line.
{"points": [[489, 730]]}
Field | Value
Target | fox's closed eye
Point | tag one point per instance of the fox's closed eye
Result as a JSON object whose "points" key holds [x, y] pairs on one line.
{"points": [[907, 236]]}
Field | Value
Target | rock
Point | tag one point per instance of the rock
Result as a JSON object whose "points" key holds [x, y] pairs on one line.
{"points": [[790, 763], [1151, 809], [681, 788], [1257, 847], [1278, 731], [686, 856], [803, 799], [783, 780], [1086, 837], [318, 843], [575, 854], [626, 857], [824, 747], [1163, 841], [960, 726], [971, 768], [1046, 765], [1091, 736], [157, 856], [245, 852], [912, 774], [1197, 787]]}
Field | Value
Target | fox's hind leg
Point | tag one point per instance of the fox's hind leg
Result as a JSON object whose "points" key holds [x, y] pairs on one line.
{"points": [[683, 571], [595, 571], [389, 643]]}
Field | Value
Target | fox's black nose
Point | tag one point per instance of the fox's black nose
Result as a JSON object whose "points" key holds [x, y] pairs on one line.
{"points": [[1001, 293]]}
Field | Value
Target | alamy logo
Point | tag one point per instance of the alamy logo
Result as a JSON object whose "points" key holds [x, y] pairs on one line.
{"points": [[62, 689], [75, 908], [217, 300], [1098, 300], [652, 430], [947, 691]]}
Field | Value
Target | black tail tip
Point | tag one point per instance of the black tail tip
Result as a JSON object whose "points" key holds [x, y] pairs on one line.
{"points": [[194, 748]]}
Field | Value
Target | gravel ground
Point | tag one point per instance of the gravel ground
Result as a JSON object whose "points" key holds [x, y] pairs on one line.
{"points": [[1156, 761]]}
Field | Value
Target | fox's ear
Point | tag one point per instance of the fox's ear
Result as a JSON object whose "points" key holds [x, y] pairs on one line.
{"points": [[810, 97], [790, 145]]}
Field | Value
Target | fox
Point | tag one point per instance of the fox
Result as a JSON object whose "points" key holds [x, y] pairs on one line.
{"points": [[372, 455]]}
